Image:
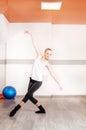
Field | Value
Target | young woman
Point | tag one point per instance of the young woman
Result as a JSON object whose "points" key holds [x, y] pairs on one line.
{"points": [[36, 78]]}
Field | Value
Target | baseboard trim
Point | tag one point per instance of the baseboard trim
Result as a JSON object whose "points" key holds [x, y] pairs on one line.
{"points": [[55, 96]]}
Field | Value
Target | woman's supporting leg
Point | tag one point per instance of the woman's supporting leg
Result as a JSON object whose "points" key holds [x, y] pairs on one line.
{"points": [[13, 112]]}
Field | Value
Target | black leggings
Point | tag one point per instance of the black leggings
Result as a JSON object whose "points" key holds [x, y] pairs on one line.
{"points": [[32, 87]]}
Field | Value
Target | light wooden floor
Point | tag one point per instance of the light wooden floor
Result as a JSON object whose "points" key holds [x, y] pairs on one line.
{"points": [[63, 113]]}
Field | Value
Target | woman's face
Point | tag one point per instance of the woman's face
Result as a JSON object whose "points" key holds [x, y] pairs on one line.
{"points": [[47, 54]]}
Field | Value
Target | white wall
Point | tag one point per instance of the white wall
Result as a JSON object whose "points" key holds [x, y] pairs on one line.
{"points": [[3, 29], [69, 41], [68, 44], [3, 40], [68, 60]]}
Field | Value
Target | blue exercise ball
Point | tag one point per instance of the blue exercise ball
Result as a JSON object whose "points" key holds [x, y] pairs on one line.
{"points": [[9, 92]]}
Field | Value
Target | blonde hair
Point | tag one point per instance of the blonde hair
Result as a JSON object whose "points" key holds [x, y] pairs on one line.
{"points": [[48, 49]]}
